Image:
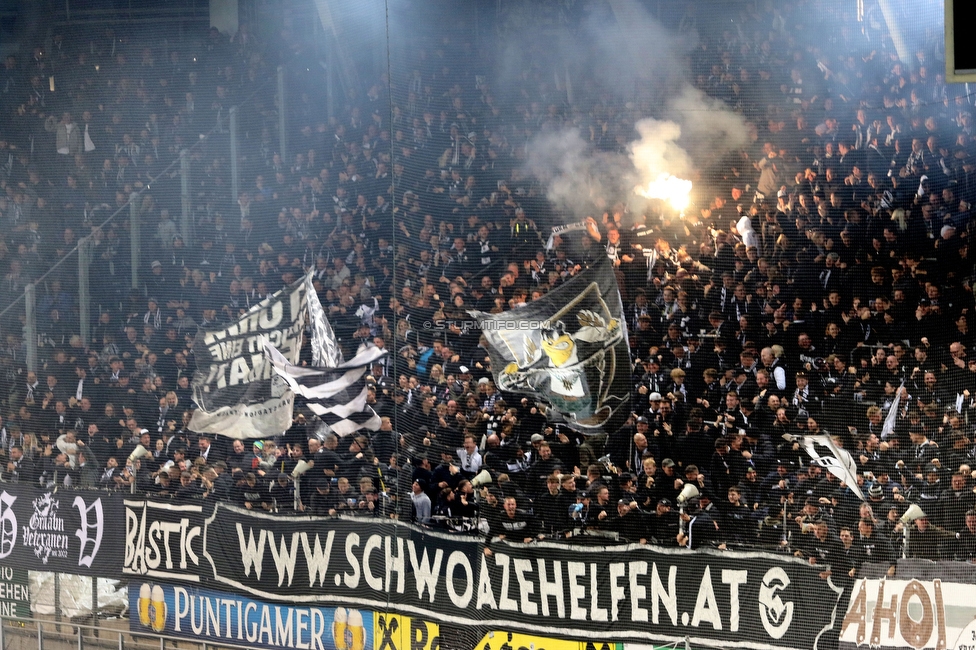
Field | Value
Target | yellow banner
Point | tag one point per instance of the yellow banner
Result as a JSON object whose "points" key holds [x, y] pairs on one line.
{"points": [[514, 641], [398, 632]]}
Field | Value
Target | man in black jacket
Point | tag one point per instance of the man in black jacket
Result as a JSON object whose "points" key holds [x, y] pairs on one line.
{"points": [[513, 523], [20, 469], [869, 547]]}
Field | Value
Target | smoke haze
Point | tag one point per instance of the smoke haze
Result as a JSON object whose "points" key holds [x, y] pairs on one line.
{"points": [[645, 64]]}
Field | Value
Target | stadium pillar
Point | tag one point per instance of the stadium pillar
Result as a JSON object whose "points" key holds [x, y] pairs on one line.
{"points": [[135, 237], [30, 329], [185, 197], [282, 134], [894, 28], [329, 84], [84, 297], [235, 172]]}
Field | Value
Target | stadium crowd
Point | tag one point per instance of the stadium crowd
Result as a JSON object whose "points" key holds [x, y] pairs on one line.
{"points": [[823, 279]]}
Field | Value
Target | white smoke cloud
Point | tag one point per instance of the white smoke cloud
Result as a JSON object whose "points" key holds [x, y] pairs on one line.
{"points": [[641, 60]]}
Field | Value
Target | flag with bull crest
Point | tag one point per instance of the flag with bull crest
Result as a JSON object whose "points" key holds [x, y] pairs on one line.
{"points": [[568, 350]]}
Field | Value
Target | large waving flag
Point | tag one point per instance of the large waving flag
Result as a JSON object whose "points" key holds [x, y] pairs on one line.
{"points": [[234, 388], [568, 350], [326, 352], [822, 449], [337, 395]]}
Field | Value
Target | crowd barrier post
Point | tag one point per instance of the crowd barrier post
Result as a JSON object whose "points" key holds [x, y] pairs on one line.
{"points": [[235, 172], [185, 197], [57, 600], [30, 312], [134, 237], [94, 607], [282, 134], [84, 295]]}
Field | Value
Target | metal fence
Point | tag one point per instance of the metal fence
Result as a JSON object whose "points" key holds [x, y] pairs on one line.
{"points": [[75, 284], [112, 634]]}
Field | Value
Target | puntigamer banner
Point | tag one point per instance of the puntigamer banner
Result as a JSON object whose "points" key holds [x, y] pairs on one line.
{"points": [[202, 614], [631, 592]]}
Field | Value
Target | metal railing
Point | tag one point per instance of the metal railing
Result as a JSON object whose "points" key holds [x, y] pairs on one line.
{"points": [[44, 634]]}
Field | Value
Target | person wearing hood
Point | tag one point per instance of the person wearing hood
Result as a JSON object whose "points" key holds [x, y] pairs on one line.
{"points": [[744, 227]]}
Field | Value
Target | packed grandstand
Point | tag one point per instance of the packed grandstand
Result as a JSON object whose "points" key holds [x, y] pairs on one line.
{"points": [[817, 280]]}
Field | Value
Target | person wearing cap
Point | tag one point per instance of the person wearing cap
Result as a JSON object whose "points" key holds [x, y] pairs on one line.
{"points": [[653, 380], [663, 523], [701, 529], [420, 502], [876, 495], [653, 412], [930, 542], [256, 456], [578, 512], [630, 522], [322, 501]]}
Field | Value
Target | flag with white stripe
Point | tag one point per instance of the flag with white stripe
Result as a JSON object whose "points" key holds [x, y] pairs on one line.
{"points": [[822, 449], [892, 418], [326, 352], [337, 395]]}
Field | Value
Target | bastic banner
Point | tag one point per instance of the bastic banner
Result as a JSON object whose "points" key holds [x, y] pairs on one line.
{"points": [[924, 606], [62, 531], [750, 600], [234, 388], [218, 617]]}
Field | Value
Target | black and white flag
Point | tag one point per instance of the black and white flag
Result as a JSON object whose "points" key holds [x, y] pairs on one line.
{"points": [[568, 350], [325, 350], [237, 394], [836, 460], [337, 395]]}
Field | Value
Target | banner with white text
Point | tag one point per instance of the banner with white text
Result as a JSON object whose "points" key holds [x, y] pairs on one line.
{"points": [[236, 392], [61, 531], [224, 618], [748, 600]]}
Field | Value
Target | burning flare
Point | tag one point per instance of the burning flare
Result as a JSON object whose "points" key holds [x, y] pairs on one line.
{"points": [[666, 187]]}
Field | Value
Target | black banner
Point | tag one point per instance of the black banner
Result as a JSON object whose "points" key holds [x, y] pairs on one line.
{"points": [[634, 592], [63, 531], [237, 393]]}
